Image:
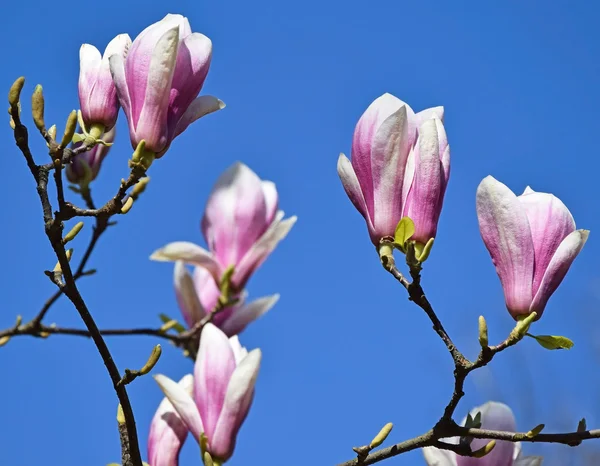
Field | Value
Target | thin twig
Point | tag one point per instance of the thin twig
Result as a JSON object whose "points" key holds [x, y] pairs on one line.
{"points": [[99, 229], [446, 427], [54, 227]]}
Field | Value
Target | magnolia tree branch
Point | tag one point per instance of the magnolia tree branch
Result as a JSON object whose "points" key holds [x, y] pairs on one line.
{"points": [[188, 339], [446, 427], [54, 228], [102, 224]]}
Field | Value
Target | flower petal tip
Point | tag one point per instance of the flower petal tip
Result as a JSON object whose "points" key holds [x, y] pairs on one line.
{"points": [[159, 256]]}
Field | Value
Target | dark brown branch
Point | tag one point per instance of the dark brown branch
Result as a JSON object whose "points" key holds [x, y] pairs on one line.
{"points": [[44, 331], [187, 340], [446, 427], [432, 437], [100, 227], [53, 228], [424, 440], [113, 206], [567, 438]]}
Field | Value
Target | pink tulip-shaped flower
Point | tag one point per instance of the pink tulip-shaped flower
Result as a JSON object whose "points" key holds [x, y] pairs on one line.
{"points": [[159, 81], [400, 168], [242, 226], [532, 240], [224, 378], [97, 92], [198, 295], [77, 171], [494, 416], [167, 431]]}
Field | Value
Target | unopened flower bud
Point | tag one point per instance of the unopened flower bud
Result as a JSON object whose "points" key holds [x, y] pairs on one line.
{"points": [[37, 108], [14, 95], [70, 128]]}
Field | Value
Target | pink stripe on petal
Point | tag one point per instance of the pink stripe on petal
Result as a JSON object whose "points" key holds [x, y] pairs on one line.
{"points": [[206, 288], [102, 103], [236, 405], [200, 107], [182, 403], [189, 253], [423, 200], [139, 58], [390, 149], [235, 215], [152, 123], [213, 370], [167, 431], [362, 144], [192, 65], [117, 70], [505, 231], [260, 250], [247, 314], [550, 222], [558, 267], [353, 188], [89, 64], [187, 298], [271, 200]]}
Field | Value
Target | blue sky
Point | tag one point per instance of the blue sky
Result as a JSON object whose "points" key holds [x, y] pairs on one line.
{"points": [[344, 352]]}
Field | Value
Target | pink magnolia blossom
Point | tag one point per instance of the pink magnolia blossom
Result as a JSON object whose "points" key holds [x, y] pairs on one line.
{"points": [[532, 240], [159, 81], [97, 92], [224, 377], [241, 225], [400, 168], [494, 416], [167, 431], [198, 295], [76, 170]]}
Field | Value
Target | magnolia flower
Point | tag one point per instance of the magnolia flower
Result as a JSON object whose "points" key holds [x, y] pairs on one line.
{"points": [[167, 431], [494, 416], [97, 93], [159, 81], [400, 168], [198, 295], [224, 378], [241, 225], [532, 240], [78, 172]]}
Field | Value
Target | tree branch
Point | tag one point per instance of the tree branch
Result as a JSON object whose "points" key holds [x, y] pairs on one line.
{"points": [[53, 228], [446, 427]]}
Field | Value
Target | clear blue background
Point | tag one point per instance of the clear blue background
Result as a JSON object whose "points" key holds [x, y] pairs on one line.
{"points": [[344, 351]]}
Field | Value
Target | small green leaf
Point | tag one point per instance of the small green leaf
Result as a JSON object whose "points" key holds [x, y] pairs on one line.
{"points": [[166, 319], [78, 137], [535, 431], [552, 342], [425, 250], [473, 422], [404, 231]]}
